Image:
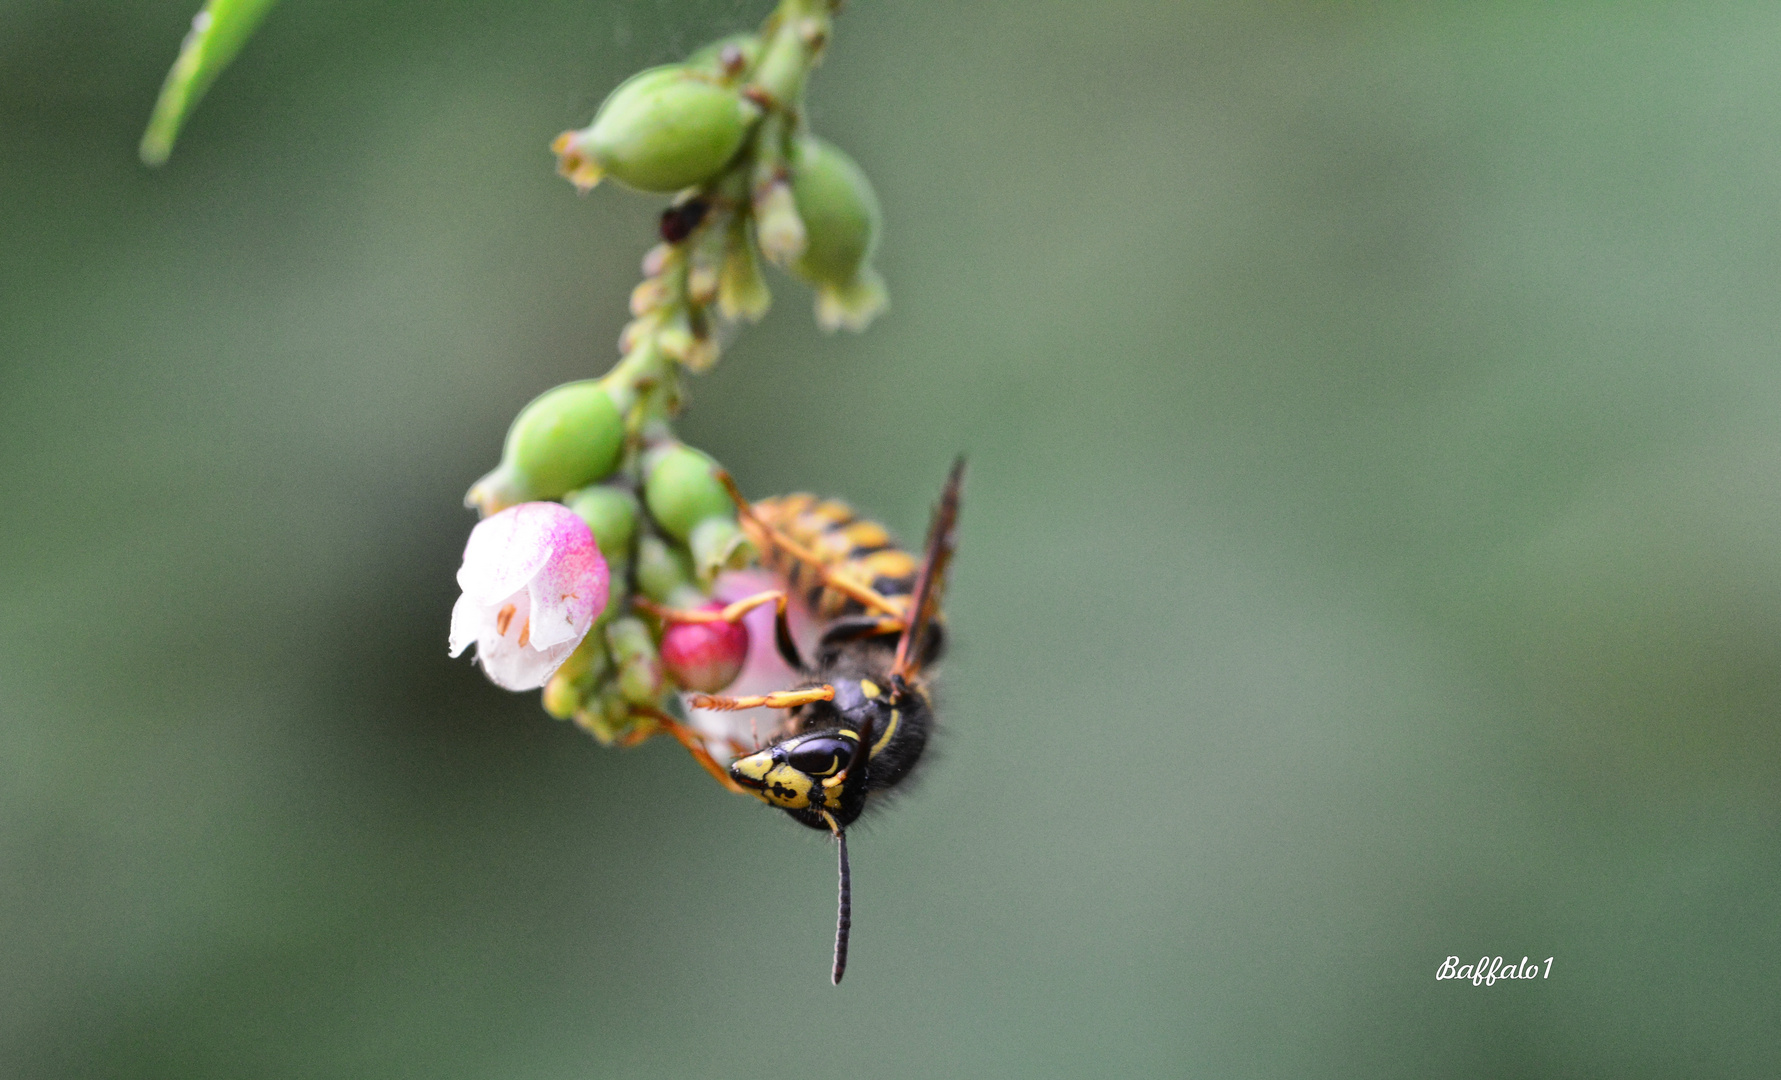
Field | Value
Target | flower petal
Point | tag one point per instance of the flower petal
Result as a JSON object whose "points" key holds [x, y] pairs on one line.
{"points": [[469, 621], [506, 550], [533, 581], [571, 590], [521, 667]]}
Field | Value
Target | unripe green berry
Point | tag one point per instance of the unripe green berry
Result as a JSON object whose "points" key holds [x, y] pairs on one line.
{"points": [[718, 544], [606, 717], [639, 667], [681, 489], [567, 437], [611, 512], [839, 210], [663, 129], [579, 678], [662, 569]]}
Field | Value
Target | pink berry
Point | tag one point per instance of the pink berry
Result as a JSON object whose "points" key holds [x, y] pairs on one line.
{"points": [[704, 657]]}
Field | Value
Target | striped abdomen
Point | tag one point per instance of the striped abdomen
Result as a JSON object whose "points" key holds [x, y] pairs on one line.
{"points": [[858, 548]]}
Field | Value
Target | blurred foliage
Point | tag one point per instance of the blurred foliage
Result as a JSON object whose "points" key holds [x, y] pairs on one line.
{"points": [[218, 32], [1369, 554]]}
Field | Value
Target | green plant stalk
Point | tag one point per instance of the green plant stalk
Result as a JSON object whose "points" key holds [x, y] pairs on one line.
{"points": [[218, 32]]}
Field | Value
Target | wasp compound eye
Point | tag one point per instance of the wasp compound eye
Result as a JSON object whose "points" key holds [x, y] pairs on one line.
{"points": [[824, 755]]}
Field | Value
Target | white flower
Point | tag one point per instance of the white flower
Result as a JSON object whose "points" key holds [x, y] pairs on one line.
{"points": [[533, 583]]}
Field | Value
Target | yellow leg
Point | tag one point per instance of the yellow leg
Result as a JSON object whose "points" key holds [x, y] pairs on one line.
{"points": [[763, 533], [779, 699], [730, 614], [695, 746]]}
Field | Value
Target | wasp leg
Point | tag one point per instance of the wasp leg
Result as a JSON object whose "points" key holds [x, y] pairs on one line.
{"points": [[782, 627], [695, 746], [730, 614], [763, 533], [779, 699]]}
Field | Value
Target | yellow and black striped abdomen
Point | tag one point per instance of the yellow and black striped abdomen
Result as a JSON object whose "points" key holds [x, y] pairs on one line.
{"points": [[860, 549]]}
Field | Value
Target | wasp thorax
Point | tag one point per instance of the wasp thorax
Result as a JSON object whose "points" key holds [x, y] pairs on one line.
{"points": [[663, 129]]}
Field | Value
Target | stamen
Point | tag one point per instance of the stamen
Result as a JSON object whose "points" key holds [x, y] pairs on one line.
{"points": [[525, 633], [504, 619]]}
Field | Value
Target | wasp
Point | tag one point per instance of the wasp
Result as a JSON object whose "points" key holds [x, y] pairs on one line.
{"points": [[860, 715]]}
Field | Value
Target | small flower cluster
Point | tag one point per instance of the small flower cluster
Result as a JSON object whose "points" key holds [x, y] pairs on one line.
{"points": [[598, 519]]}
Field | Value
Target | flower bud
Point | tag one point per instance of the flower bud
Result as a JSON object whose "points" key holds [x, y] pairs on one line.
{"points": [[639, 666], [534, 583], [778, 228], [567, 437], [741, 288], [854, 305], [662, 569], [718, 544], [704, 657], [681, 489], [663, 129], [841, 223], [606, 716]]}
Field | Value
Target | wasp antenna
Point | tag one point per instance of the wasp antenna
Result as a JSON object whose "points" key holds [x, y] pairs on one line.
{"points": [[843, 918]]}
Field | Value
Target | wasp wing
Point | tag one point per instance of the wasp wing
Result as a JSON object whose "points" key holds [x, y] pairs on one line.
{"points": [[930, 582]]}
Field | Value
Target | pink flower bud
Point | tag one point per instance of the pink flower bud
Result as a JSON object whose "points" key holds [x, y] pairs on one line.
{"points": [[704, 657], [533, 583]]}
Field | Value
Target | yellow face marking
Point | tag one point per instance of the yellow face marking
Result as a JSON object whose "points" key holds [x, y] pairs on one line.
{"points": [[787, 787], [870, 687], [780, 785], [889, 730]]}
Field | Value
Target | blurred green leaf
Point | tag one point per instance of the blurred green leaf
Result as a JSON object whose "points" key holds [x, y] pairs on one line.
{"points": [[218, 32]]}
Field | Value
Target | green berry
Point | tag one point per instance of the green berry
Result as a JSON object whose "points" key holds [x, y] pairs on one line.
{"points": [[663, 129], [681, 489], [839, 210], [606, 716], [569, 690], [662, 569], [569, 436], [639, 676], [611, 513], [718, 544]]}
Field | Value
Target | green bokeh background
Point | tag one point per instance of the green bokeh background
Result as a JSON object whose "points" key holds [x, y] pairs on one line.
{"points": [[1369, 554]]}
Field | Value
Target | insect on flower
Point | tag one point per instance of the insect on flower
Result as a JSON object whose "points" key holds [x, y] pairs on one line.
{"points": [[859, 718], [533, 581]]}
